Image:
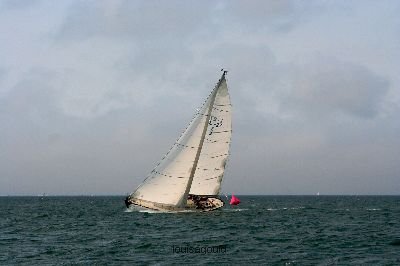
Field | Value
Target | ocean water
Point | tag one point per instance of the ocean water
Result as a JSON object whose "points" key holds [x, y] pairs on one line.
{"points": [[272, 230]]}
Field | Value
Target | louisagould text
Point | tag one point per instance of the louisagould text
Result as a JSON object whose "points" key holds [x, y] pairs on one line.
{"points": [[198, 250]]}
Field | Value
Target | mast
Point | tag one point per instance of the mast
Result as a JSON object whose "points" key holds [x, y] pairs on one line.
{"points": [[196, 160]]}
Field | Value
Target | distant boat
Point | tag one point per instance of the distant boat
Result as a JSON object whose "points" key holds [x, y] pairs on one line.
{"points": [[234, 200], [190, 174]]}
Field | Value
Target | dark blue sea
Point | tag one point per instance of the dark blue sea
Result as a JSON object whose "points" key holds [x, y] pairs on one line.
{"points": [[272, 230]]}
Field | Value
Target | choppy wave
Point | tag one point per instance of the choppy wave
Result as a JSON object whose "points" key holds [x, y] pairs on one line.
{"points": [[234, 209], [261, 230], [285, 208]]}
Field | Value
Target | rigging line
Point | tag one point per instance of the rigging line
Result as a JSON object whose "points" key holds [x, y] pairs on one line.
{"points": [[214, 94], [168, 152]]}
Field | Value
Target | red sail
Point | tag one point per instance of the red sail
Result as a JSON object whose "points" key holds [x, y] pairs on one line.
{"points": [[234, 200]]}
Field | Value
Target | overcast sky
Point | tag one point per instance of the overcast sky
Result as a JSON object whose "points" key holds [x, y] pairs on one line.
{"points": [[94, 93]]}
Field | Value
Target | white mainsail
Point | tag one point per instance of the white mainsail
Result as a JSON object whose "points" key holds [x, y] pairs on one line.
{"points": [[211, 166], [203, 145]]}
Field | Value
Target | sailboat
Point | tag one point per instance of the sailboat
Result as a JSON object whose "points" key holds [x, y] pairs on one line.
{"points": [[189, 176]]}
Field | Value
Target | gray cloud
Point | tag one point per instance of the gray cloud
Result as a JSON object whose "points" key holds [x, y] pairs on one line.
{"points": [[90, 103], [330, 86], [142, 21], [2, 76], [263, 15], [17, 4], [44, 150]]}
